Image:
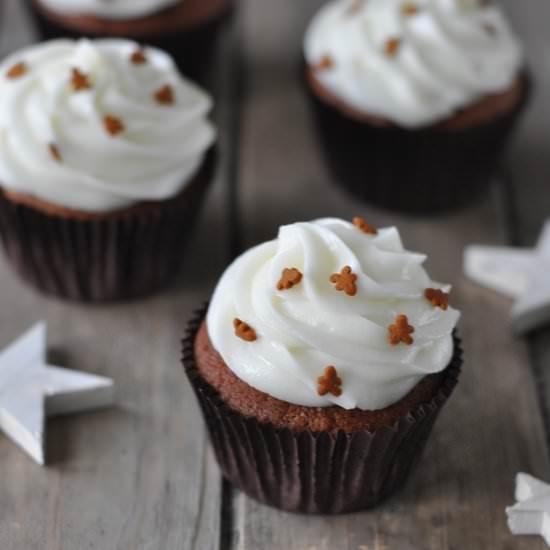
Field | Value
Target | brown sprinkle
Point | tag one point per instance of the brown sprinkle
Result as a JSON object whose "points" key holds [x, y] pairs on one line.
{"points": [[325, 63], [164, 95], [401, 331], [437, 298], [138, 57], [244, 331], [289, 278], [345, 281], [356, 6], [330, 382], [364, 226], [80, 81], [54, 152], [113, 125], [409, 9], [18, 70], [391, 47]]}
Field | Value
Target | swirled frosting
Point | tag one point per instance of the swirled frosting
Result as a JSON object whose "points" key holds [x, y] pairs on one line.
{"points": [[310, 326], [157, 152], [413, 63], [111, 9]]}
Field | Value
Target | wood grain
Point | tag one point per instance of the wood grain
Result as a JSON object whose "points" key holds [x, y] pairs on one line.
{"points": [[138, 476], [490, 429], [529, 169]]}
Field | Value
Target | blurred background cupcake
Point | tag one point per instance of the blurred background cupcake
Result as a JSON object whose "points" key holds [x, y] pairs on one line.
{"points": [[105, 156], [322, 364], [187, 29], [414, 100]]}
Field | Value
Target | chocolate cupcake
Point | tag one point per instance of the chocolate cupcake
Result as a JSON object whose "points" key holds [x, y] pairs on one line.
{"points": [[187, 29], [105, 156], [322, 364], [414, 101]]}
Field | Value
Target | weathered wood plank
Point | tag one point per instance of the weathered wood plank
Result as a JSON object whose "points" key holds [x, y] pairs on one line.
{"points": [[529, 168], [141, 475], [492, 426]]}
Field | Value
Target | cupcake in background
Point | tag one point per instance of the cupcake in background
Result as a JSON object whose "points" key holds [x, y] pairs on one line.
{"points": [[321, 365], [414, 100], [187, 29], [106, 153]]}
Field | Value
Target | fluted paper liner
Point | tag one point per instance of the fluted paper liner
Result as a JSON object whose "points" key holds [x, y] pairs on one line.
{"points": [[118, 257], [416, 171], [192, 48], [314, 472]]}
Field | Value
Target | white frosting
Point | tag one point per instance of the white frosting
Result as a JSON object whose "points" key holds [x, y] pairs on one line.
{"points": [[451, 53], [157, 154], [109, 9], [302, 330]]}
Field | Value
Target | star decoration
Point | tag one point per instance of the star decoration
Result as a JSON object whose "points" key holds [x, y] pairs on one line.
{"points": [[30, 390], [520, 273], [531, 513]]}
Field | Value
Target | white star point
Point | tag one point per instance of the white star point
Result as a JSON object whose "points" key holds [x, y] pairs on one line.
{"points": [[30, 390]]}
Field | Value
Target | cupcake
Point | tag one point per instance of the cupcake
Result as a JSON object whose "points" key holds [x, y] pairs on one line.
{"points": [[321, 365], [105, 156], [187, 29], [414, 101]]}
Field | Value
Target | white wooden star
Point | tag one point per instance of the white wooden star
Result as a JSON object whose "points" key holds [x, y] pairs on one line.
{"points": [[531, 513], [30, 390], [520, 273]]}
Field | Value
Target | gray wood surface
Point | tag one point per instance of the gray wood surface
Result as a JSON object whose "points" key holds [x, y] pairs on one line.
{"points": [[491, 428], [141, 476], [138, 476]]}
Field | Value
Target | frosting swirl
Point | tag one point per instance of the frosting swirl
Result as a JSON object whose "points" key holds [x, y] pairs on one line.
{"points": [[304, 329], [84, 127], [117, 9], [414, 63]]}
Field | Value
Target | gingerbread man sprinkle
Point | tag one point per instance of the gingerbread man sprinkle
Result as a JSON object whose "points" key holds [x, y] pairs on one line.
{"points": [[437, 297], [356, 6], [164, 95], [244, 331], [289, 278], [345, 281], [364, 226], [54, 152], [409, 9], [138, 57], [113, 125], [325, 63], [80, 81], [391, 47], [18, 70], [330, 382], [401, 331]]}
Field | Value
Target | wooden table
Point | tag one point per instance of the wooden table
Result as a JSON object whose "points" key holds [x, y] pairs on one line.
{"points": [[141, 475]]}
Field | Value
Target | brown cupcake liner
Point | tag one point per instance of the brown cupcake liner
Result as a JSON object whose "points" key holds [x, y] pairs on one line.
{"points": [[422, 171], [124, 255], [193, 49], [314, 472]]}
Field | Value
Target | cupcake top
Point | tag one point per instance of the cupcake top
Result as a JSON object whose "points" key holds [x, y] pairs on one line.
{"points": [[111, 9], [412, 62], [332, 313], [99, 125]]}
